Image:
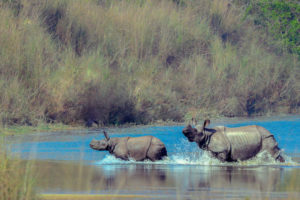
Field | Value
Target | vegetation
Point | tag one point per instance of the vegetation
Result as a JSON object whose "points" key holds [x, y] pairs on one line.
{"points": [[16, 179], [281, 19], [41, 127], [115, 62]]}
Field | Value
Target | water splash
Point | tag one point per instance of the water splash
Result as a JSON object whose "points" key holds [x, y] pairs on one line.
{"points": [[186, 153], [203, 158]]}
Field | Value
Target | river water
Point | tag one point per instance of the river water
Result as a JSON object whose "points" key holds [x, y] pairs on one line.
{"points": [[65, 164]]}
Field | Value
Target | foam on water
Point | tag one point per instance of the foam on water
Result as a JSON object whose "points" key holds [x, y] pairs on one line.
{"points": [[186, 153], [203, 158]]}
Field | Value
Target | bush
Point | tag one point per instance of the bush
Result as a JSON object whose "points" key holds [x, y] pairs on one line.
{"points": [[28, 58], [138, 61], [280, 18]]}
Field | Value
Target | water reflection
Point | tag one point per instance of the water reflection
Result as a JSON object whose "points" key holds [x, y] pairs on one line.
{"points": [[168, 181], [65, 164], [258, 178], [134, 176]]}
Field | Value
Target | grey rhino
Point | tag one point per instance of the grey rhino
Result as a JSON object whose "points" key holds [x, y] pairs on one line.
{"points": [[137, 148], [233, 144]]}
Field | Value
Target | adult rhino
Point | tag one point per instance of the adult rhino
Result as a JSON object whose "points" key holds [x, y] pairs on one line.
{"points": [[137, 148], [233, 144]]}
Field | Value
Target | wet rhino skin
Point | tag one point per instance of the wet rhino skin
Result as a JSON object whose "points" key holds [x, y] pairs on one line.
{"points": [[233, 144], [137, 148]]}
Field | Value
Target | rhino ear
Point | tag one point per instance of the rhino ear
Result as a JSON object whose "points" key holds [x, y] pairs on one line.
{"points": [[194, 121], [205, 124], [106, 135]]}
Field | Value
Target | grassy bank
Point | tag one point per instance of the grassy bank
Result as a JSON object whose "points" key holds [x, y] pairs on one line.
{"points": [[119, 62], [41, 127]]}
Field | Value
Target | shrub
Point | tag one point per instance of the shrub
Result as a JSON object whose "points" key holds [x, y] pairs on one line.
{"points": [[138, 61], [280, 18]]}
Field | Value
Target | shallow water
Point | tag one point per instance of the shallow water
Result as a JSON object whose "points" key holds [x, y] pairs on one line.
{"points": [[65, 164]]}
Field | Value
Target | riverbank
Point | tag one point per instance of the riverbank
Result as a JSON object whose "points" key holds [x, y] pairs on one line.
{"points": [[20, 130], [25, 129], [118, 62]]}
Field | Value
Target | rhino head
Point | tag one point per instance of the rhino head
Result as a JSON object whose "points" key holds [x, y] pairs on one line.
{"points": [[100, 145], [195, 134]]}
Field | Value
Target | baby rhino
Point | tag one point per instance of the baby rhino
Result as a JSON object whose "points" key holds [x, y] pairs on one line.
{"points": [[137, 148]]}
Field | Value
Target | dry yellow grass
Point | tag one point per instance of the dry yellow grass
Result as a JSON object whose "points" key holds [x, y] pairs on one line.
{"points": [[16, 179], [137, 62]]}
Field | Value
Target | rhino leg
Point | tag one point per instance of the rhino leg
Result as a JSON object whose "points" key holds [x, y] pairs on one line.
{"points": [[219, 146], [156, 153], [157, 150], [121, 156], [222, 156], [121, 152], [269, 144]]}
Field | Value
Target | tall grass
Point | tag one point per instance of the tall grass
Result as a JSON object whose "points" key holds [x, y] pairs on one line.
{"points": [[16, 178], [137, 61]]}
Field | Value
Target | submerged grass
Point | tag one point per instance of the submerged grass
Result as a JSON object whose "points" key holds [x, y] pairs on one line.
{"points": [[116, 62]]}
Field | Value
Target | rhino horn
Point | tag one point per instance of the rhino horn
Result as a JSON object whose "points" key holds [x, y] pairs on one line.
{"points": [[106, 135]]}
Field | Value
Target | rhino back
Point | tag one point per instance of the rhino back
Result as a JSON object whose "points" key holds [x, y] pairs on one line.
{"points": [[138, 147], [245, 142]]}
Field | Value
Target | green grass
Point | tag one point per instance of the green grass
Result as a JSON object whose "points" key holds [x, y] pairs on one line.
{"points": [[280, 18], [42, 127], [119, 62]]}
